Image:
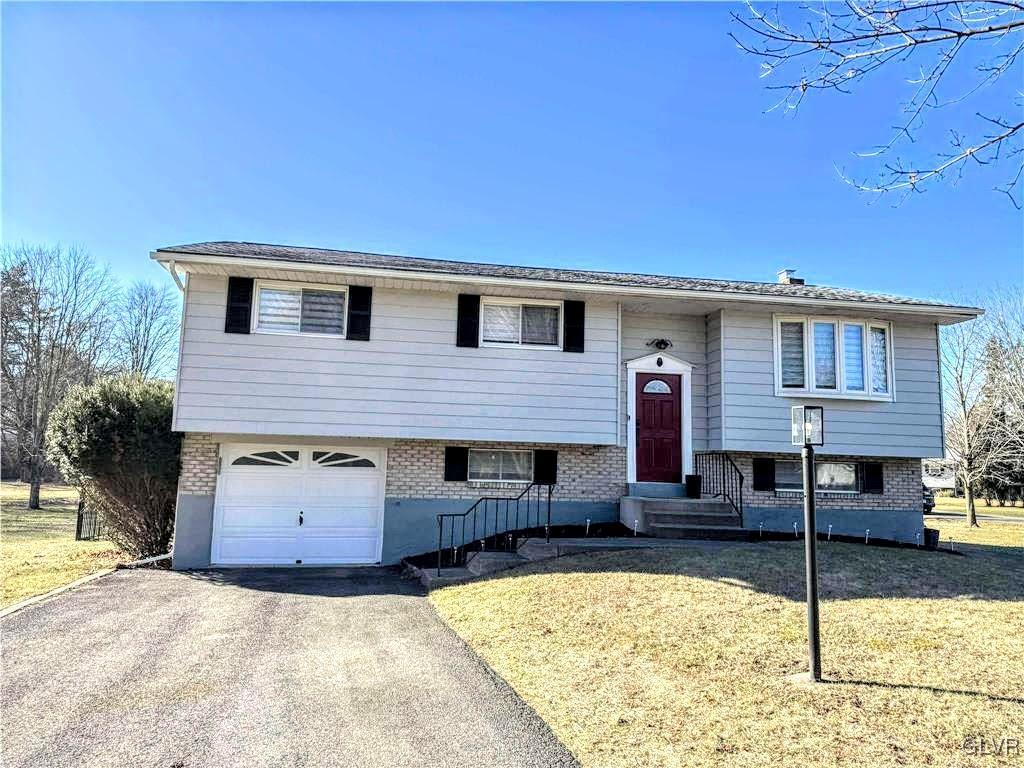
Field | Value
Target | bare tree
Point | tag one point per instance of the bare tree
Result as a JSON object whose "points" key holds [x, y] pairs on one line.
{"points": [[56, 321], [977, 441], [835, 46], [146, 331]]}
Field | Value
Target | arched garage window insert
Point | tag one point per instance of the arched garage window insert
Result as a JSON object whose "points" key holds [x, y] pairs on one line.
{"points": [[657, 387], [337, 459], [267, 459]]}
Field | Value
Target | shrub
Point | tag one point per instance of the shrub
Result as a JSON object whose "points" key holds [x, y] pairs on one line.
{"points": [[113, 439]]}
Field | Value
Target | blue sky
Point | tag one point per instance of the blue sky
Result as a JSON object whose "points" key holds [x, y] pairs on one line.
{"points": [[617, 137]]}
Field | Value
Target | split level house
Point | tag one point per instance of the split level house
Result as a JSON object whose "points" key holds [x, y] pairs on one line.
{"points": [[337, 407]]}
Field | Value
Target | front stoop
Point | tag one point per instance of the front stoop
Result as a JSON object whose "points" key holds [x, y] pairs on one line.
{"points": [[680, 518]]}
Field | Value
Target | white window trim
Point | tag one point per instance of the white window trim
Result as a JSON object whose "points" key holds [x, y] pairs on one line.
{"points": [[494, 480], [840, 392], [254, 321], [505, 301]]}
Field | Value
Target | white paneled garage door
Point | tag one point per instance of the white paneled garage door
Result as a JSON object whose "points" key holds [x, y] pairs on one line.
{"points": [[298, 505]]}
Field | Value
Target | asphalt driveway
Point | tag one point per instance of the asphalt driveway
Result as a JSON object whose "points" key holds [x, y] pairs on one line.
{"points": [[254, 668]]}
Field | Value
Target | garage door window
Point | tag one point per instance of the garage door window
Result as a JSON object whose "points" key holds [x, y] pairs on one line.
{"points": [[337, 459], [267, 459]]}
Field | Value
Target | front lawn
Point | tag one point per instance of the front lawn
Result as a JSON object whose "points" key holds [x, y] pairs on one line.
{"points": [[38, 551], [951, 504], [681, 657]]}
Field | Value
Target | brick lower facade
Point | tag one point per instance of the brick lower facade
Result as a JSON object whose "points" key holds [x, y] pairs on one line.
{"points": [[901, 485], [416, 470], [198, 464], [585, 473]]}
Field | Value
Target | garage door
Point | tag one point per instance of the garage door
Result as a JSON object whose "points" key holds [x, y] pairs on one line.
{"points": [[298, 505]]}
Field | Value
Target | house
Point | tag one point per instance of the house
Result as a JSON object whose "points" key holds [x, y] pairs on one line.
{"points": [[335, 403]]}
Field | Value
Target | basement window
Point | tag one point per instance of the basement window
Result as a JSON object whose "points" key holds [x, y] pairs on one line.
{"points": [[500, 466]]}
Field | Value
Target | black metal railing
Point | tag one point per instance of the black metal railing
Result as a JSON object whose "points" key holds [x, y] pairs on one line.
{"points": [[87, 526], [721, 478], [493, 523]]}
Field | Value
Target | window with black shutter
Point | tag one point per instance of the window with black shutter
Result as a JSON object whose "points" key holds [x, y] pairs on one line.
{"points": [[467, 330], [545, 467], [456, 463], [238, 312], [764, 474], [360, 300], [872, 477], [574, 314]]}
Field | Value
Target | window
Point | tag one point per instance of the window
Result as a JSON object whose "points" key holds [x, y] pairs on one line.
{"points": [[657, 387], [503, 466], [791, 345], [283, 308], [267, 459], [853, 357], [830, 357], [879, 360], [521, 323], [825, 365], [830, 476], [337, 459]]}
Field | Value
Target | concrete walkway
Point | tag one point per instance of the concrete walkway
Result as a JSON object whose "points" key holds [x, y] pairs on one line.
{"points": [[286, 667]]}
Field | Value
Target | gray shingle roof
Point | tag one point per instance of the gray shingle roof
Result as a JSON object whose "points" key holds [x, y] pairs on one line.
{"points": [[295, 254]]}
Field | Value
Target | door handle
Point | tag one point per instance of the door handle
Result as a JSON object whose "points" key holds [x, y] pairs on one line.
{"points": [[300, 518]]}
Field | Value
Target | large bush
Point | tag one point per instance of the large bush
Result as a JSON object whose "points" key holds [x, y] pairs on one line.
{"points": [[113, 438]]}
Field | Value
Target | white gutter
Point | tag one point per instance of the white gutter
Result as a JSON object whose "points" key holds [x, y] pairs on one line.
{"points": [[619, 290]]}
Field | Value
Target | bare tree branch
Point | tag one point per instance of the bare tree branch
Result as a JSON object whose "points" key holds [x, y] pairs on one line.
{"points": [[837, 46]]}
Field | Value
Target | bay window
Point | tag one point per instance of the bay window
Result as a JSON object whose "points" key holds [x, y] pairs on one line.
{"points": [[833, 357]]}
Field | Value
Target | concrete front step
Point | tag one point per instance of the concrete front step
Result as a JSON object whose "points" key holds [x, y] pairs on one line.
{"points": [[714, 532], [729, 519], [481, 563]]}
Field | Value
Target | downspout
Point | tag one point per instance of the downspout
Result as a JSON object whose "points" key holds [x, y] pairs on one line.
{"points": [[174, 273], [618, 373]]}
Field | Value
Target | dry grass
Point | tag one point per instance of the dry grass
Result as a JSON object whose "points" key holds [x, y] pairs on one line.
{"points": [[38, 551], [681, 657], [950, 504]]}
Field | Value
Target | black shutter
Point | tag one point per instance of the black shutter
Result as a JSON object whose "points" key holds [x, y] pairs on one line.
{"points": [[467, 332], [545, 467], [456, 463], [574, 316], [764, 474], [357, 327], [238, 314], [871, 477]]}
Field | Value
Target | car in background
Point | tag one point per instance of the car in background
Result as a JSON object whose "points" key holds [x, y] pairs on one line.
{"points": [[928, 499]]}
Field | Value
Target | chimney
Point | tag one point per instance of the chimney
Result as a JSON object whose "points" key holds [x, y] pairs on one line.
{"points": [[786, 277]]}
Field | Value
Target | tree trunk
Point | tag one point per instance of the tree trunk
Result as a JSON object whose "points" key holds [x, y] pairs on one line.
{"points": [[35, 479], [972, 515]]}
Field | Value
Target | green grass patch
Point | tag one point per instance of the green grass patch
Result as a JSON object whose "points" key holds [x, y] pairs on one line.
{"points": [[38, 551], [681, 657]]}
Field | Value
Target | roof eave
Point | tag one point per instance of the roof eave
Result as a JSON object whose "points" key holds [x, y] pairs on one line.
{"points": [[941, 313]]}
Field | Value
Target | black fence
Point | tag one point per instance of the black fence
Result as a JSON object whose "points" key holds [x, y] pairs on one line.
{"points": [[88, 526]]}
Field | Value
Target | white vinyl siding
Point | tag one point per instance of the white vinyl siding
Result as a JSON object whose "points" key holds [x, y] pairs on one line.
{"points": [[686, 332], [757, 418], [409, 381]]}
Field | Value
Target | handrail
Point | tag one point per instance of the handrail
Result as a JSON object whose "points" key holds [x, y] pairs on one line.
{"points": [[482, 519], [721, 478]]}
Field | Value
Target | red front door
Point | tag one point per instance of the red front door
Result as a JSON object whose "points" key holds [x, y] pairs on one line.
{"points": [[659, 455]]}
